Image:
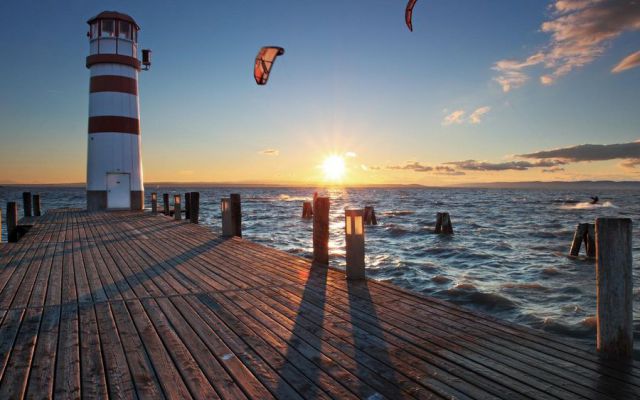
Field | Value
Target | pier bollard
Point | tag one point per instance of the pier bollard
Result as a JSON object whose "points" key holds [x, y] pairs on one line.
{"points": [[26, 203], [165, 204], [177, 210], [225, 210], [307, 210], [154, 203], [321, 230], [370, 216], [194, 207], [590, 241], [354, 243], [235, 207], [443, 223], [12, 222], [36, 205], [187, 205], [614, 286]]}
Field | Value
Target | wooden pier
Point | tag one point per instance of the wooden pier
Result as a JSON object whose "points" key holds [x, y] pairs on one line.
{"points": [[135, 305]]}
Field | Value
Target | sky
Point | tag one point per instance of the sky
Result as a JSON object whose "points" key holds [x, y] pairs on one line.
{"points": [[480, 91]]}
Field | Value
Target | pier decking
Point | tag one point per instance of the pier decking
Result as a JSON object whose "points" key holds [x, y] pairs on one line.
{"points": [[132, 305]]}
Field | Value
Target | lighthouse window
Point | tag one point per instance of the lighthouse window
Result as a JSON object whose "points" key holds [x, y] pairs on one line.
{"points": [[108, 28], [125, 30], [94, 30]]}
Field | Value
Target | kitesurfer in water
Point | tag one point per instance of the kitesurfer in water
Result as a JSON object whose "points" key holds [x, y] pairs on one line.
{"points": [[594, 199]]}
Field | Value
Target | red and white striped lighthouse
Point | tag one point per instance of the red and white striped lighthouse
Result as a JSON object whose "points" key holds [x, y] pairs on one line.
{"points": [[114, 164]]}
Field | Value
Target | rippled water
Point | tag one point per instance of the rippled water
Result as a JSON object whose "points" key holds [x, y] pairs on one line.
{"points": [[507, 256]]}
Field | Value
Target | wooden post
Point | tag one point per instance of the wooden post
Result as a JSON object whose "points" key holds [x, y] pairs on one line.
{"points": [[614, 286], [187, 205], [225, 210], [443, 223], [370, 216], [354, 243], [590, 240], [26, 202], [154, 202], [36, 205], [12, 222], [321, 230], [236, 214], [307, 210], [177, 211], [194, 207], [578, 238], [165, 204]]}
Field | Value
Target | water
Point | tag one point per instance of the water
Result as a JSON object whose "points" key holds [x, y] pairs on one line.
{"points": [[507, 256]]}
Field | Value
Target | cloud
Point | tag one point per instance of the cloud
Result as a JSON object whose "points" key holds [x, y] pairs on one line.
{"points": [[590, 152], [630, 61], [411, 166], [269, 152], [476, 116], [456, 117], [580, 32], [631, 163], [350, 154], [552, 170], [473, 165], [446, 170]]}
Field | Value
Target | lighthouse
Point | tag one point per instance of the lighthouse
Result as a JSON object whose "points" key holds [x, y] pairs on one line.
{"points": [[114, 163]]}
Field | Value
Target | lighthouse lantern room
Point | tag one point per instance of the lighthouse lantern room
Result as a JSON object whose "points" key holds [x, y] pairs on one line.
{"points": [[114, 164]]}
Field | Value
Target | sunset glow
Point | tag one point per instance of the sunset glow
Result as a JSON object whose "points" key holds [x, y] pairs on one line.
{"points": [[333, 168]]}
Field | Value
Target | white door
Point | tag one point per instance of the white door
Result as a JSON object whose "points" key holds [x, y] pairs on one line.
{"points": [[118, 191]]}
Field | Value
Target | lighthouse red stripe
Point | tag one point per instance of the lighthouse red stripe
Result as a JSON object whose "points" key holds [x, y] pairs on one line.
{"points": [[114, 124], [112, 59], [113, 83]]}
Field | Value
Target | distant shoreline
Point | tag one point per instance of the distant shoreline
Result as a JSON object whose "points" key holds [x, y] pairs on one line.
{"points": [[601, 185]]}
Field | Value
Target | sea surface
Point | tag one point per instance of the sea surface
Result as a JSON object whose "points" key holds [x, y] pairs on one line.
{"points": [[508, 256]]}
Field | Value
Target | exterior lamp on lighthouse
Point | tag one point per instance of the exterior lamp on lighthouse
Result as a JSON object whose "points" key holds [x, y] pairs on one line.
{"points": [[354, 243]]}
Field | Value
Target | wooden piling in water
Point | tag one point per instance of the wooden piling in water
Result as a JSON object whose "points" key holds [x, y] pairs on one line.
{"points": [[194, 207], [165, 204], [307, 210], [354, 244], [443, 223], [154, 202], [187, 205], [370, 216], [12, 222], [614, 286], [36, 205], [26, 203], [321, 230], [235, 206], [585, 233], [177, 209]]}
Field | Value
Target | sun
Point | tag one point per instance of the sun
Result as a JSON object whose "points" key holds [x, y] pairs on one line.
{"points": [[333, 167]]}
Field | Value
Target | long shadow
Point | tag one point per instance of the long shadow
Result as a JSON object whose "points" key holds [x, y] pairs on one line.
{"points": [[360, 302], [314, 295]]}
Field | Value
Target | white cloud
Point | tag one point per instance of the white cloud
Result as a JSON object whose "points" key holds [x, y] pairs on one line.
{"points": [[630, 61], [580, 32], [476, 116], [456, 117]]}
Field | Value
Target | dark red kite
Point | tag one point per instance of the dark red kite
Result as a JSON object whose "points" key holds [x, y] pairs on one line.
{"points": [[408, 13], [264, 62]]}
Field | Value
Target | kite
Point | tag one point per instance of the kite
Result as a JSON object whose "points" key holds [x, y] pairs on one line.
{"points": [[408, 13], [264, 62]]}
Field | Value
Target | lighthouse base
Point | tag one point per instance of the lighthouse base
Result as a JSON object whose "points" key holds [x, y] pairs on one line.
{"points": [[97, 200]]}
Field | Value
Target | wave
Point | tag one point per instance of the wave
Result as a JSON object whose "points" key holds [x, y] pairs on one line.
{"points": [[585, 205], [397, 213]]}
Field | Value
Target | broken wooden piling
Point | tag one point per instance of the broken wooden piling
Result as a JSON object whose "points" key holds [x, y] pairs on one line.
{"points": [[187, 205], [235, 207], [370, 216], [165, 204], [194, 207], [12, 222], [307, 210], [177, 211], [26, 203], [443, 223], [36, 205], [154, 202], [585, 233]]}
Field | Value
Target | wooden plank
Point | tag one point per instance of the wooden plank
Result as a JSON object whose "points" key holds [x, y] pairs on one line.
{"points": [[94, 384], [41, 377], [67, 384]]}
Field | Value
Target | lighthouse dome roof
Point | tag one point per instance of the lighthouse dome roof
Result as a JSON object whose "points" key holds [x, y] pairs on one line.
{"points": [[113, 15]]}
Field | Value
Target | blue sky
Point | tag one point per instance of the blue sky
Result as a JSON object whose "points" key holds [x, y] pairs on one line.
{"points": [[353, 79]]}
